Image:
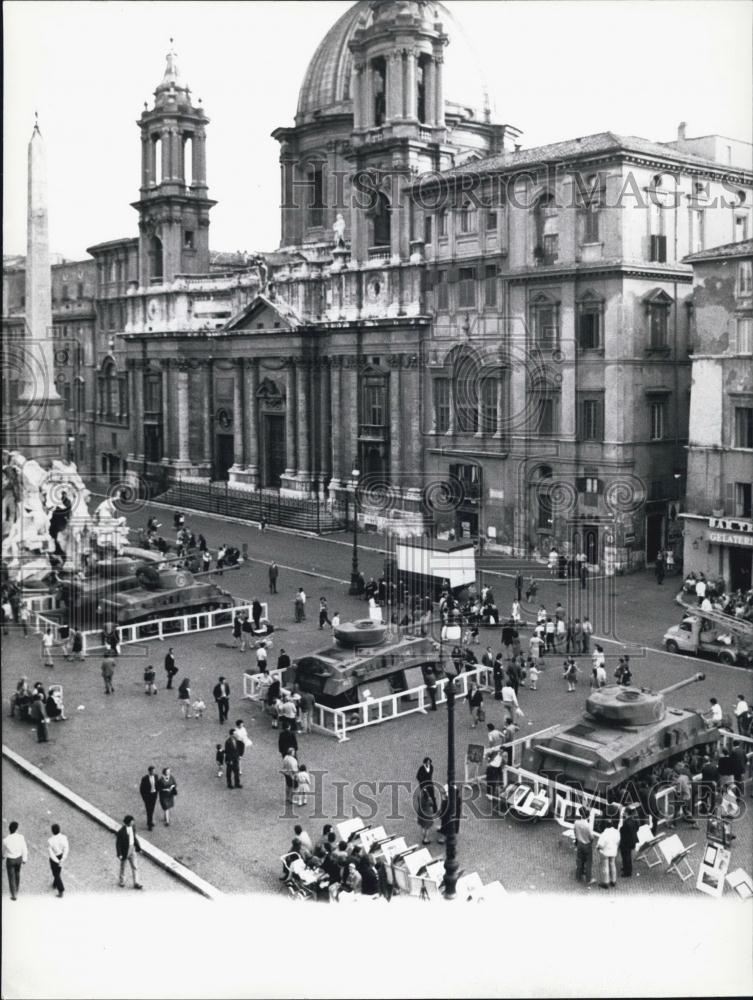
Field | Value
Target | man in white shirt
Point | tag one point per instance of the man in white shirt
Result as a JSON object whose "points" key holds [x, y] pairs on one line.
{"points": [[741, 711], [716, 712], [607, 847], [58, 847], [47, 644], [509, 699], [16, 853], [700, 590]]}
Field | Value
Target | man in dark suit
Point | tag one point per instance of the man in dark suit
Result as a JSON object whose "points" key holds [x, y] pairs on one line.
{"points": [[425, 779], [519, 585], [628, 840], [170, 669], [221, 694], [148, 791], [232, 762], [256, 612], [286, 739], [127, 846]]}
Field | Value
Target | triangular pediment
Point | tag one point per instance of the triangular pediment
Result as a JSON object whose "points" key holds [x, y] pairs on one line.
{"points": [[263, 314]]}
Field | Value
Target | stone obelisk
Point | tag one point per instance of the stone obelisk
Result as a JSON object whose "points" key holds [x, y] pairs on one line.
{"points": [[41, 426]]}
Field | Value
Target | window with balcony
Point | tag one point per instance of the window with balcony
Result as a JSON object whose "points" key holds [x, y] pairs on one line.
{"points": [[545, 322], [657, 419], [591, 491], [744, 287], [591, 418], [469, 477], [590, 310], [466, 288], [441, 388], [744, 427]]}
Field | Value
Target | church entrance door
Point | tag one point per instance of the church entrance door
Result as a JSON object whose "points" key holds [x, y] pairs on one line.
{"points": [[224, 456], [274, 449]]}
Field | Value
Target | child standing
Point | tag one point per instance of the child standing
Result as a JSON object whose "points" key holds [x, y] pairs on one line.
{"points": [[199, 707], [219, 758], [533, 675], [149, 686], [302, 786], [570, 673]]}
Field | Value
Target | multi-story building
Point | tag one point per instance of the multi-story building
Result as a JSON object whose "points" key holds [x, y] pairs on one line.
{"points": [[74, 338], [718, 518]]}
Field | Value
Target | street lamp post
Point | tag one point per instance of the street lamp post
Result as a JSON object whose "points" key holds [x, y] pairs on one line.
{"points": [[354, 574], [450, 861]]}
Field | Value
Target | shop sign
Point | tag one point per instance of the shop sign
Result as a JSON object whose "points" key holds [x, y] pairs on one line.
{"points": [[728, 538]]}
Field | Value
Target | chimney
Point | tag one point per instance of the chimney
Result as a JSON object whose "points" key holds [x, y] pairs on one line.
{"points": [[681, 131]]}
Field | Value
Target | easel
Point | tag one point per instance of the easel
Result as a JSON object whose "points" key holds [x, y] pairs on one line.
{"points": [[676, 857], [649, 853]]}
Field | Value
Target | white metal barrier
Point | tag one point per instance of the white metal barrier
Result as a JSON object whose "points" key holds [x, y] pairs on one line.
{"points": [[254, 689], [339, 722], [156, 628], [42, 602]]}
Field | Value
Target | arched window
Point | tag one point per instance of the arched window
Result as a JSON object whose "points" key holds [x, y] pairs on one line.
{"points": [[155, 257], [188, 159], [112, 390], [382, 221], [422, 108], [547, 229]]}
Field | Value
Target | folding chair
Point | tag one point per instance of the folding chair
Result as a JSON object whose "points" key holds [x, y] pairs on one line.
{"points": [[648, 848], [675, 854]]}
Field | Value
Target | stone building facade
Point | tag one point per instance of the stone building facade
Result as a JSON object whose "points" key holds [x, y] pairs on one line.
{"points": [[718, 519]]}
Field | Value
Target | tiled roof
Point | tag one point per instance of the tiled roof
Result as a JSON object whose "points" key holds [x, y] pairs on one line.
{"points": [[588, 145], [743, 248]]}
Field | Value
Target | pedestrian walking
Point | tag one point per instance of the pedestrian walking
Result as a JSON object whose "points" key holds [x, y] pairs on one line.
{"points": [[127, 846], [47, 644], [286, 739], [659, 569], [77, 645], [583, 574], [24, 616], [570, 673], [586, 633], [221, 693], [430, 680], [519, 586], [149, 791], [16, 854], [232, 761], [475, 698], [584, 842], [307, 703], [273, 573], [532, 589], [628, 840], [549, 634], [108, 672], [170, 669], [219, 758], [302, 786], [39, 717], [149, 680], [167, 789], [300, 605], [237, 628], [426, 811], [606, 847], [289, 772], [243, 740], [58, 849], [425, 779], [184, 697], [323, 613]]}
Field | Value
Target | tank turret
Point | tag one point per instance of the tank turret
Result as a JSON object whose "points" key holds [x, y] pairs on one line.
{"points": [[632, 706]]}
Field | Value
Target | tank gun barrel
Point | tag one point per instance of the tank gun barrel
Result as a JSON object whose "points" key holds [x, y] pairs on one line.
{"points": [[683, 683]]}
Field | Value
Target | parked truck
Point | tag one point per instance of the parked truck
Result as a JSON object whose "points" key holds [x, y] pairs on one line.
{"points": [[713, 635]]}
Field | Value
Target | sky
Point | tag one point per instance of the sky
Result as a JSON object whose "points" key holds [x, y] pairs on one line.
{"points": [[555, 69]]}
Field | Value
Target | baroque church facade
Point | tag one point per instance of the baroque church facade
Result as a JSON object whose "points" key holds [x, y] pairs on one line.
{"points": [[496, 339]]}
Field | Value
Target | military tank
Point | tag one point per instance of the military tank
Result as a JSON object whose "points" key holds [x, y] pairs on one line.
{"points": [[137, 586], [625, 731], [364, 658]]}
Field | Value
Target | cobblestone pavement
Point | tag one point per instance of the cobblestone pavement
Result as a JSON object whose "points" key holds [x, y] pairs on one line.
{"points": [[91, 867], [234, 838]]}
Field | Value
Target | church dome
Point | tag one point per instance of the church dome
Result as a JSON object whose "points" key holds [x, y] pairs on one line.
{"points": [[326, 85]]}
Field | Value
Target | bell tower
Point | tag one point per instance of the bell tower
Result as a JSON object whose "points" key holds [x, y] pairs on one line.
{"points": [[173, 205]]}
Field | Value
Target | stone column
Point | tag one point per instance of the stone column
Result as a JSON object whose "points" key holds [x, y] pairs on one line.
{"points": [[136, 377], [357, 85], [304, 423], [251, 458], [394, 85], [499, 433], [397, 418], [181, 381], [439, 91], [429, 88], [290, 421], [199, 150], [325, 427], [336, 427], [410, 95], [207, 410], [167, 159], [146, 159], [166, 416], [239, 418]]}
